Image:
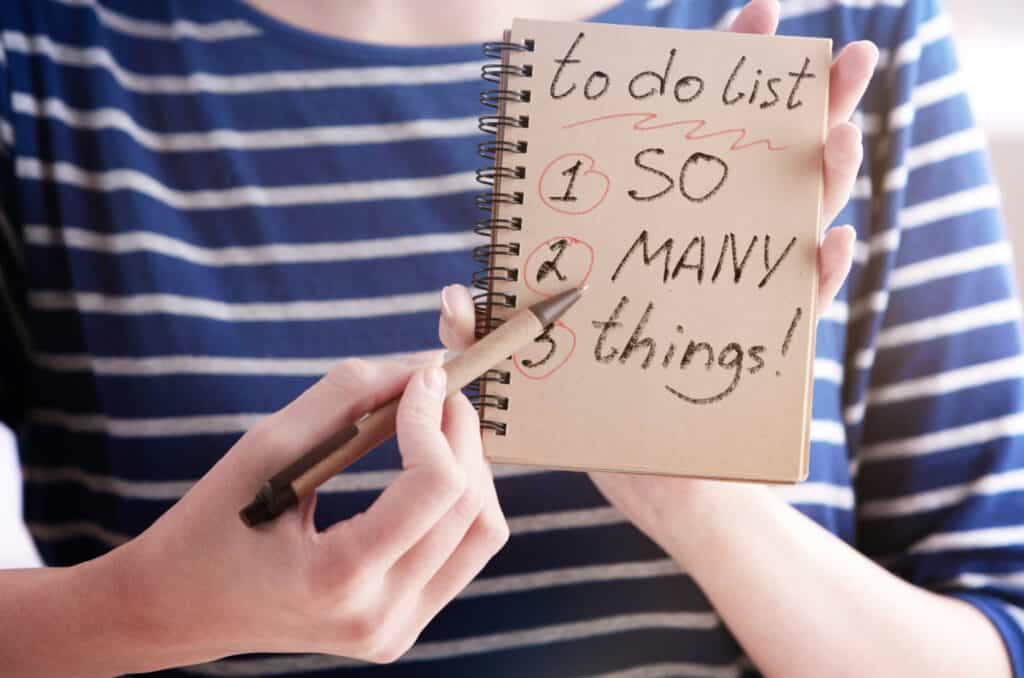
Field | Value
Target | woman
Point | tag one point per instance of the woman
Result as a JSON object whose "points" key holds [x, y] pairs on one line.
{"points": [[206, 204]]}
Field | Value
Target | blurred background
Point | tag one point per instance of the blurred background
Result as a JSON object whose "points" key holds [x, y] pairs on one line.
{"points": [[989, 35]]}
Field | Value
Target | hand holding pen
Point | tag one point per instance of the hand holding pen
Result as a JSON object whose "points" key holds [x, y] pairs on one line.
{"points": [[208, 586]]}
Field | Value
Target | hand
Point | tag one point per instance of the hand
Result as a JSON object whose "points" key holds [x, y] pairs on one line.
{"points": [[654, 503], [363, 588]]}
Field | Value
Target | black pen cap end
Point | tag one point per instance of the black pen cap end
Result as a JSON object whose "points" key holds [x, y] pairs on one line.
{"points": [[256, 513], [269, 503]]}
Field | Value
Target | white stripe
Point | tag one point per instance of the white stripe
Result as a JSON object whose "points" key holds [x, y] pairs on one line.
{"points": [[951, 205], [566, 520], [949, 381], [172, 490], [541, 635], [162, 490], [827, 369], [886, 241], [946, 439], [792, 9], [838, 311], [938, 384], [934, 152], [74, 530], [958, 143], [206, 32], [928, 32], [218, 139], [126, 242], [829, 432], [979, 580], [173, 304], [988, 537], [824, 368], [568, 576], [876, 302], [864, 358], [267, 81], [155, 427], [943, 497], [1015, 612], [820, 494], [194, 364], [689, 669], [854, 414], [242, 196], [6, 134], [955, 322], [926, 212], [861, 188], [924, 94], [964, 261]]}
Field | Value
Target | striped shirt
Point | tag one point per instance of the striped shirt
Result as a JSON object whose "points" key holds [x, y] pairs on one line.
{"points": [[204, 208]]}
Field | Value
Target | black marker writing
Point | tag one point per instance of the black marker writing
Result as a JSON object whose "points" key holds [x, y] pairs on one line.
{"points": [[551, 265]]}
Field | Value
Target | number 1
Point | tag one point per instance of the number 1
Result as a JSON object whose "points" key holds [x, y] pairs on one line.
{"points": [[571, 173]]}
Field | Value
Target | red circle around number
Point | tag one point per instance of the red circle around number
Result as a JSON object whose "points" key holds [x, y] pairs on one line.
{"points": [[535, 250], [590, 170], [557, 366]]}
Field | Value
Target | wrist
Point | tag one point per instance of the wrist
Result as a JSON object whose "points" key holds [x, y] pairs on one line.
{"points": [[718, 515], [138, 626]]}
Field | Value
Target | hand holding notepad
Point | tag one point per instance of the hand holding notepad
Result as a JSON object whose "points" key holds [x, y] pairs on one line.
{"points": [[678, 173]]}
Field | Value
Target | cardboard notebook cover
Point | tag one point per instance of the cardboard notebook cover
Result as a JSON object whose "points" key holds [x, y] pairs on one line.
{"points": [[678, 174]]}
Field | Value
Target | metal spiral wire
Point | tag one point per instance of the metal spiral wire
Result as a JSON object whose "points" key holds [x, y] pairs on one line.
{"points": [[498, 257]]}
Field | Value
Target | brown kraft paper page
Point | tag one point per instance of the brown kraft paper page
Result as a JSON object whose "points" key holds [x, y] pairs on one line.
{"points": [[678, 174]]}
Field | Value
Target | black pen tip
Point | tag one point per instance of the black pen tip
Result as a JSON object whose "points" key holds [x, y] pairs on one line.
{"points": [[553, 308]]}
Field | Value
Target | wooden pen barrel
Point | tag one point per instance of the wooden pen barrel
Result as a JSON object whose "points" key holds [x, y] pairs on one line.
{"points": [[379, 425]]}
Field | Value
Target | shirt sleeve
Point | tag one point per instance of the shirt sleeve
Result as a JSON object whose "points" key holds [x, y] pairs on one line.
{"points": [[13, 333], [936, 397]]}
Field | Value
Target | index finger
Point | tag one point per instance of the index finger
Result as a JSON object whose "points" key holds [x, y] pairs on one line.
{"points": [[430, 483]]}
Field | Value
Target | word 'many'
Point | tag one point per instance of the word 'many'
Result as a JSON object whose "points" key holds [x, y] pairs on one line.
{"points": [[732, 260]]}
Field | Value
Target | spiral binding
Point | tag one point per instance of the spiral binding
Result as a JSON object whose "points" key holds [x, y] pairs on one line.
{"points": [[497, 256]]}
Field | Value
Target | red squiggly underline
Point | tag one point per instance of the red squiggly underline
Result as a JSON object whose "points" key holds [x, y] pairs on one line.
{"points": [[642, 126]]}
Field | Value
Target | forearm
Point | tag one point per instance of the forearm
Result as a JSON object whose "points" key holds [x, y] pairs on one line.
{"points": [[803, 603], [94, 619]]}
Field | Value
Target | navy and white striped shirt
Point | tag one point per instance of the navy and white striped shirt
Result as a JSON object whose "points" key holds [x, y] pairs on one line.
{"points": [[203, 209]]}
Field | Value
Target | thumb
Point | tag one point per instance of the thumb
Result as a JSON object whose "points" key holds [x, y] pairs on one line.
{"points": [[418, 421], [458, 314]]}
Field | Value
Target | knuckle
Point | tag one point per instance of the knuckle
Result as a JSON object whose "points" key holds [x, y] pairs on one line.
{"points": [[469, 505], [272, 438], [494, 529], [350, 374], [449, 480], [366, 630]]}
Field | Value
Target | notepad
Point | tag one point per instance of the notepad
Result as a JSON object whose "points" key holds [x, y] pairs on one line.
{"points": [[678, 174]]}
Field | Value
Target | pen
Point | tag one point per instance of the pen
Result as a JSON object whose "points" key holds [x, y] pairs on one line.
{"points": [[351, 443]]}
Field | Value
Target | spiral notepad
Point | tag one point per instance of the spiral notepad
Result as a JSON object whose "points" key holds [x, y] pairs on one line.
{"points": [[677, 174]]}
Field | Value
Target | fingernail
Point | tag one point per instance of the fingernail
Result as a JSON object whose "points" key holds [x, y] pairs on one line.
{"points": [[446, 304], [435, 379], [873, 46]]}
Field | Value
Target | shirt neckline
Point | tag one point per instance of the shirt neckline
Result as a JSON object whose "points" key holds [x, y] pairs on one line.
{"points": [[369, 52]]}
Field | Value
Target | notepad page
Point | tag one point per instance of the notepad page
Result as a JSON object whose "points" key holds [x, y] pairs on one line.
{"points": [[679, 175]]}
